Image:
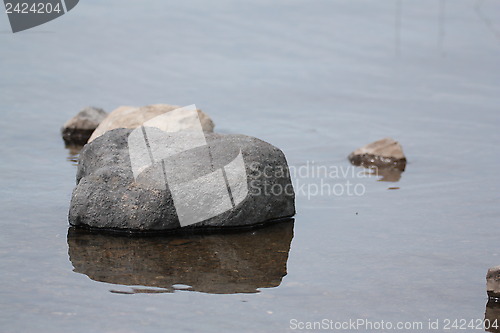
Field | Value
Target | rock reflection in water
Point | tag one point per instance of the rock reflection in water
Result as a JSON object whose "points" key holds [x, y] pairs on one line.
{"points": [[389, 174], [73, 153], [492, 317], [385, 174], [218, 263]]}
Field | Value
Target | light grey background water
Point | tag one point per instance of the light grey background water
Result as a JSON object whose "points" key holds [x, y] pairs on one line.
{"points": [[315, 78]]}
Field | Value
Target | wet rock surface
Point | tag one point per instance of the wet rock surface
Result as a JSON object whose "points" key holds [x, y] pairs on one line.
{"points": [[132, 117], [239, 262], [78, 129], [382, 154], [493, 283], [107, 195]]}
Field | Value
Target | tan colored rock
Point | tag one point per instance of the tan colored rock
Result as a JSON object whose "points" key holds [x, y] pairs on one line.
{"points": [[387, 147], [385, 153], [132, 117]]}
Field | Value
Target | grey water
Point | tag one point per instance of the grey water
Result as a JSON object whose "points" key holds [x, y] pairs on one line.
{"points": [[317, 79]]}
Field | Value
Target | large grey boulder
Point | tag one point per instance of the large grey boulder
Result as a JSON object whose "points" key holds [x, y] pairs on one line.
{"points": [[78, 129], [109, 195], [133, 117]]}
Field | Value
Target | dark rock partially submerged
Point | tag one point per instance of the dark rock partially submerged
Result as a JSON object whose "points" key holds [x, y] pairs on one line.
{"points": [[385, 153], [78, 129], [108, 197], [239, 262]]}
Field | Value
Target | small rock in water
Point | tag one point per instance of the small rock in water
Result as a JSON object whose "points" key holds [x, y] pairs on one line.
{"points": [[385, 153], [78, 129], [133, 117], [493, 283]]}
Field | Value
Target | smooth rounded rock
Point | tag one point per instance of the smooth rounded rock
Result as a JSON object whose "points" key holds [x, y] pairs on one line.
{"points": [[204, 181], [133, 117], [78, 129]]}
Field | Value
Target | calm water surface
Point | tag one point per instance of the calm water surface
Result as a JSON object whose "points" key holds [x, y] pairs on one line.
{"points": [[317, 79]]}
